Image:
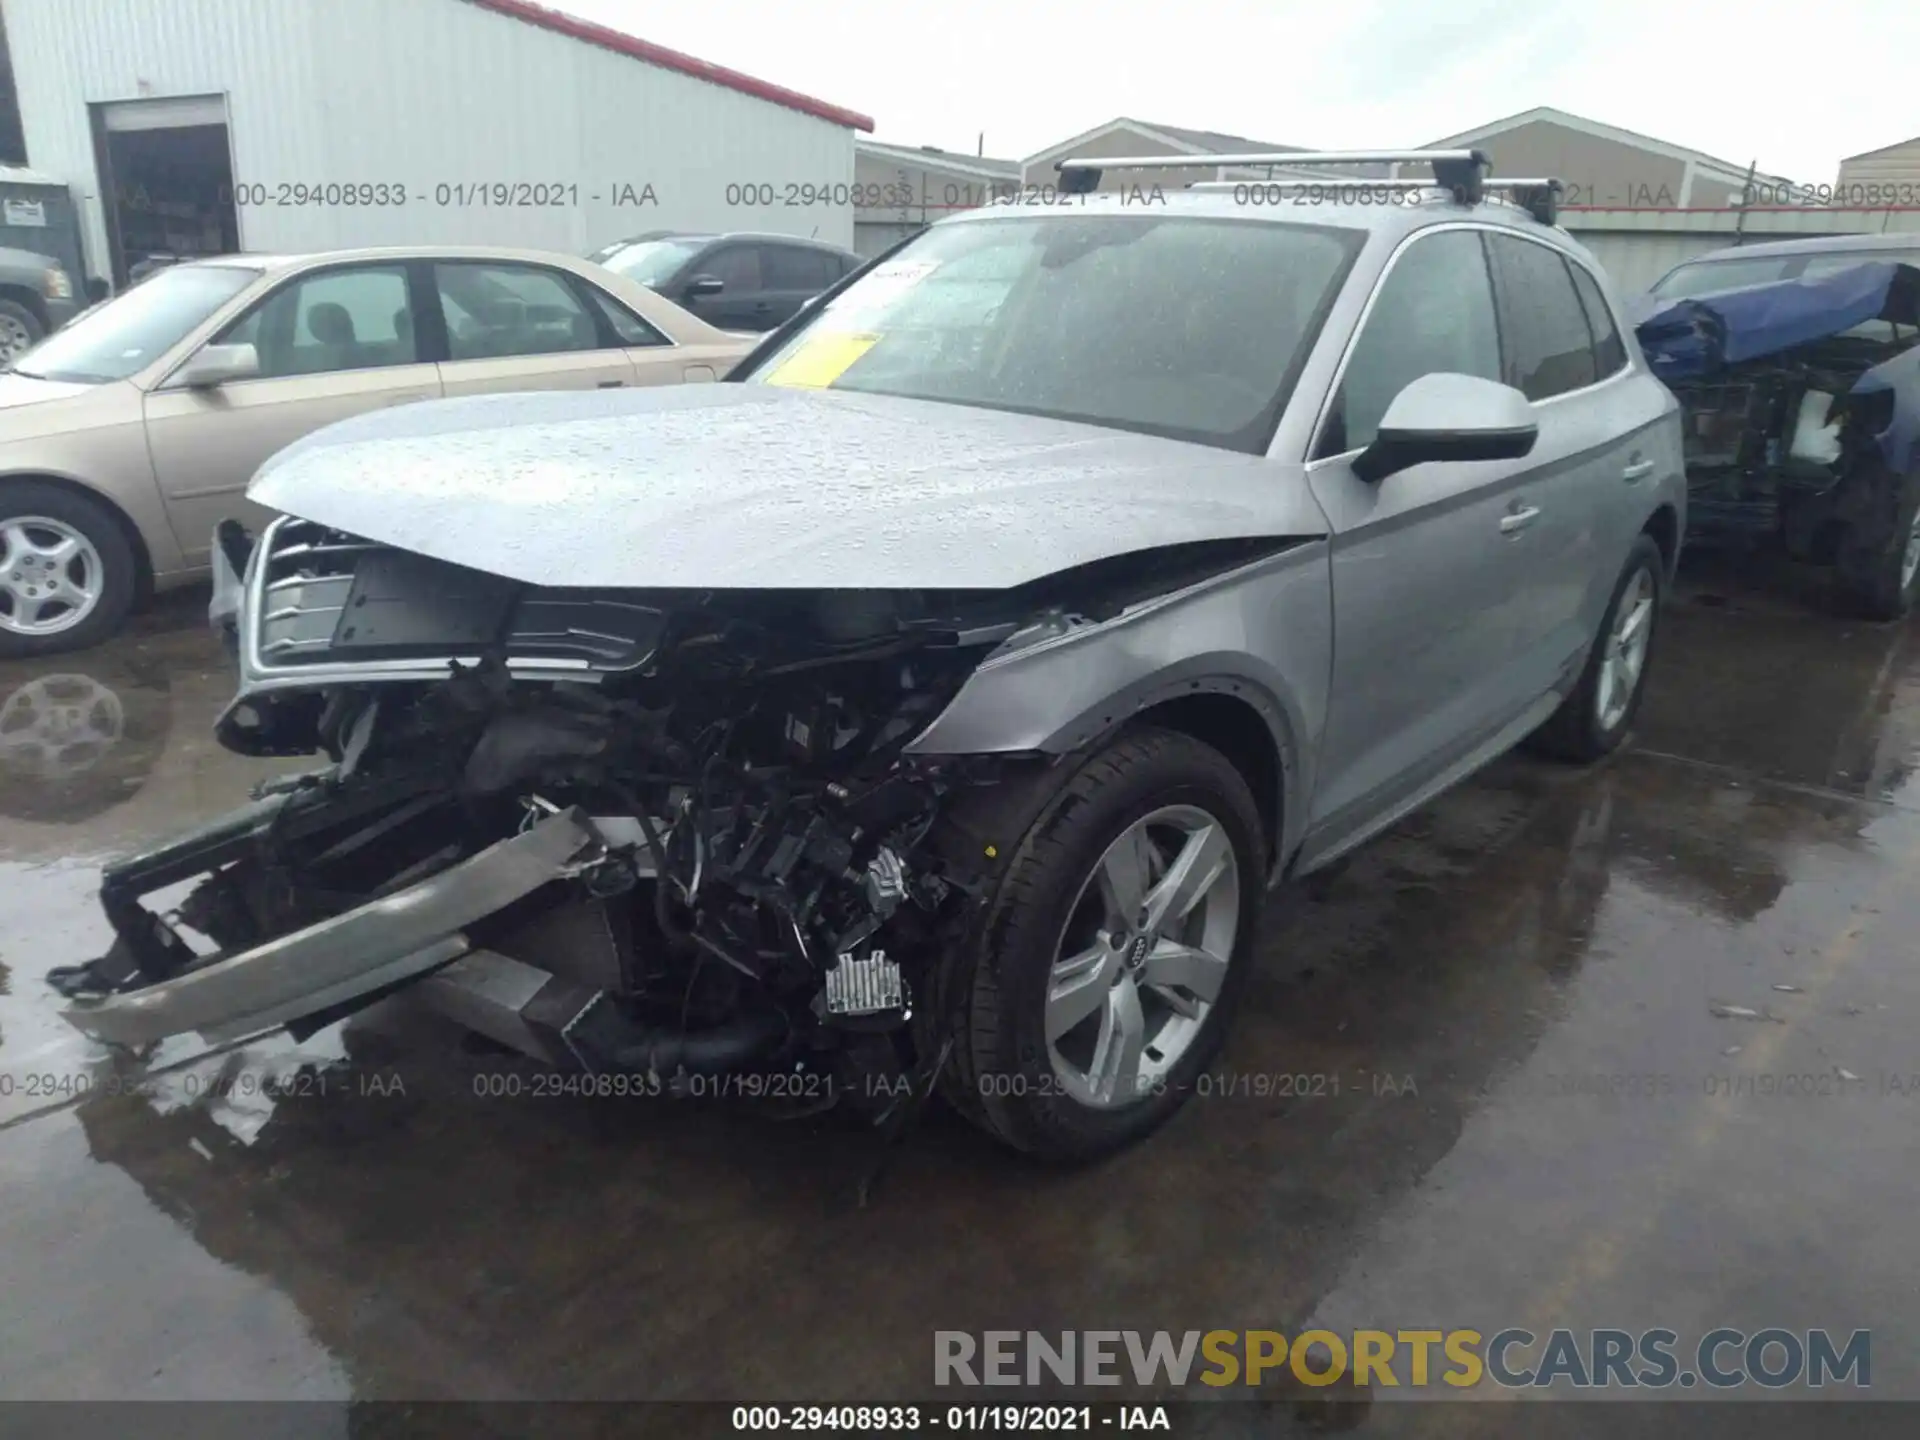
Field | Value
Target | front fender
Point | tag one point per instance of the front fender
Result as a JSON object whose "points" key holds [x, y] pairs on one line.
{"points": [[1262, 633]]}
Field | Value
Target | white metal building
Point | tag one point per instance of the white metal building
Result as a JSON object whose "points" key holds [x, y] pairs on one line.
{"points": [[293, 125]]}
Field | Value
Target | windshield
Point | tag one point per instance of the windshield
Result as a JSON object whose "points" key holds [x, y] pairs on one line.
{"points": [[1179, 326], [648, 261], [1713, 275], [135, 328]]}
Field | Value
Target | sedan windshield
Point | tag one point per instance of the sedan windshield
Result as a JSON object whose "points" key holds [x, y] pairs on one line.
{"points": [[1188, 327], [135, 328], [648, 261]]}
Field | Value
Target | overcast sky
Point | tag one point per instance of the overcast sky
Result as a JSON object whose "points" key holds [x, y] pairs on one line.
{"points": [[1796, 84]]}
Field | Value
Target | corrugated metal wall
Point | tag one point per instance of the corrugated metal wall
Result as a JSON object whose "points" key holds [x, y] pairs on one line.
{"points": [[424, 93]]}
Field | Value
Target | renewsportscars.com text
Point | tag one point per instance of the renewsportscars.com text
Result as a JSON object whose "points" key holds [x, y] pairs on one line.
{"points": [[1723, 1358]]}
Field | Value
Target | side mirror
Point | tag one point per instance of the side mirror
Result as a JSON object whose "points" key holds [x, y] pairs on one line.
{"points": [[1449, 417], [215, 365], [705, 285]]}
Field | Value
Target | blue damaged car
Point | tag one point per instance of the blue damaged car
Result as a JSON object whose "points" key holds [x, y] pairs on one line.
{"points": [[1799, 377]]}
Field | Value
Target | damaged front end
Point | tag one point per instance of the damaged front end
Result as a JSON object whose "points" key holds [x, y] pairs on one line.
{"points": [[1802, 417], [672, 831]]}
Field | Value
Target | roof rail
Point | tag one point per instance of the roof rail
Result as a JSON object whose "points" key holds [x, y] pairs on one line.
{"points": [[1539, 197], [1462, 171]]}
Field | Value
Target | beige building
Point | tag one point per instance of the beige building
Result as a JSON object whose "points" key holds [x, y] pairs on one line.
{"points": [[1607, 168], [1896, 166], [898, 189]]}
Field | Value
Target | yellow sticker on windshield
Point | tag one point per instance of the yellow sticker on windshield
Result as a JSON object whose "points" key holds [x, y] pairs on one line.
{"points": [[821, 361]]}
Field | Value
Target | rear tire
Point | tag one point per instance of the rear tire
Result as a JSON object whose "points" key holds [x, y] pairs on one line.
{"points": [[1595, 717], [1019, 1075], [1881, 579], [54, 599]]}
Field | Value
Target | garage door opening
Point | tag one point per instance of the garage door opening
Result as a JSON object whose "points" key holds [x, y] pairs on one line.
{"points": [[166, 182]]}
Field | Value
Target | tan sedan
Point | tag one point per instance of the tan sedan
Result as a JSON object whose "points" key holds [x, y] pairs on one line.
{"points": [[128, 435]]}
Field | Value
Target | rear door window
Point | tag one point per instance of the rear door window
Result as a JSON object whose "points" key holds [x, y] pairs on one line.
{"points": [[495, 310], [1548, 346], [1609, 350]]}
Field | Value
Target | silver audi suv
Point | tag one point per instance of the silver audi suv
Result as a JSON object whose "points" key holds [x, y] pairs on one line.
{"points": [[928, 708]]}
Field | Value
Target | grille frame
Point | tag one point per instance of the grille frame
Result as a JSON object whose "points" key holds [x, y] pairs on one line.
{"points": [[305, 607]]}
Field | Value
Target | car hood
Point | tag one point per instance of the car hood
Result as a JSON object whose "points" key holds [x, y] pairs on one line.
{"points": [[17, 390], [1687, 338], [758, 487]]}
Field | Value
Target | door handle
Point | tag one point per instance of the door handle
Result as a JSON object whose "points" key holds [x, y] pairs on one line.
{"points": [[1638, 470], [1518, 519], [610, 384]]}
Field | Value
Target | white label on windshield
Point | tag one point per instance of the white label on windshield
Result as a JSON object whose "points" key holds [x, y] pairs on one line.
{"points": [[885, 284]]}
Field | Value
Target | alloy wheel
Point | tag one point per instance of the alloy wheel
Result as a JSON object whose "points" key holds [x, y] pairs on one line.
{"points": [[51, 576], [1625, 655], [1143, 956]]}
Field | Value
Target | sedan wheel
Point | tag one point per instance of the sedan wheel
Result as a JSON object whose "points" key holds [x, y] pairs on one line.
{"points": [[68, 574], [51, 576], [1114, 949]]}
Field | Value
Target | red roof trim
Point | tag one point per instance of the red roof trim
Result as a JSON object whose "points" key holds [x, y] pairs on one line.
{"points": [[630, 45]]}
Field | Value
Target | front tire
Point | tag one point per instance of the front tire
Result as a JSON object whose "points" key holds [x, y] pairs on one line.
{"points": [[1881, 578], [20, 331], [67, 571], [1597, 714], [1114, 950]]}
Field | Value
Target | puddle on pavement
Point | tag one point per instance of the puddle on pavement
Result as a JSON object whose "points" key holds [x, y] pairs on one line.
{"points": [[260, 1221]]}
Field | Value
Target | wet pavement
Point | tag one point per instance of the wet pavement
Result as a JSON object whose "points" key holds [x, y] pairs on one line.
{"points": [[1522, 1108]]}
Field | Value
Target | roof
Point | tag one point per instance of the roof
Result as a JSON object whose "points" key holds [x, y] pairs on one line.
{"points": [[1182, 140], [1883, 149], [1218, 202], [274, 262], [934, 157], [1549, 115], [1214, 142], [621, 43]]}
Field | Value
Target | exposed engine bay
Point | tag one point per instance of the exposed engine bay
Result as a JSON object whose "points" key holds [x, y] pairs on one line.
{"points": [[1770, 437], [1802, 417], [674, 832]]}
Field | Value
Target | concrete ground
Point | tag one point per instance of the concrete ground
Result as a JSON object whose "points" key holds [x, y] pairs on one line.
{"points": [[1466, 988]]}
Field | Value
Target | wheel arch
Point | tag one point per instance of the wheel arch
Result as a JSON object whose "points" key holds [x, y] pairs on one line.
{"points": [[1240, 717], [1664, 526], [136, 542], [33, 303]]}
